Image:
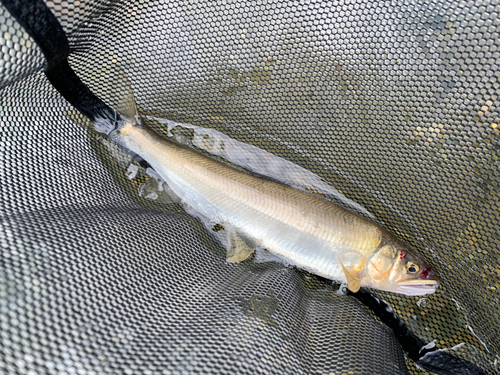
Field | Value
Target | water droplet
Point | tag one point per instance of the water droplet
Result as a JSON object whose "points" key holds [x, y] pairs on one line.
{"points": [[423, 302]]}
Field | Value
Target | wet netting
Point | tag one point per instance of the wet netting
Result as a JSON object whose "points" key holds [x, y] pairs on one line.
{"points": [[394, 104]]}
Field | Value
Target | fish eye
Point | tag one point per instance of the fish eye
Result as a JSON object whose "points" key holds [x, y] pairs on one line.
{"points": [[412, 267]]}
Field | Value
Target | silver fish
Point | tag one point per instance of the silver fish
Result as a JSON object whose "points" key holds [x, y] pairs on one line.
{"points": [[308, 232]]}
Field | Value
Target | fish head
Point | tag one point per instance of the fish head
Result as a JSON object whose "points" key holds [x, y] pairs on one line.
{"points": [[394, 268]]}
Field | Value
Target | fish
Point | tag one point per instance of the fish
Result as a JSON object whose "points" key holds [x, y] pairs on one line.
{"points": [[304, 230]]}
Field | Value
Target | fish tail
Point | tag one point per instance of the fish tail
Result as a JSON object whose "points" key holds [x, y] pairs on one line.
{"points": [[125, 104], [114, 88]]}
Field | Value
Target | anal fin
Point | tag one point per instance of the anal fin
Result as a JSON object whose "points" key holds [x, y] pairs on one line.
{"points": [[239, 247]]}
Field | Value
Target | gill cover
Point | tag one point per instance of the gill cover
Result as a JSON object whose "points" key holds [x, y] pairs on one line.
{"points": [[399, 271], [380, 264]]}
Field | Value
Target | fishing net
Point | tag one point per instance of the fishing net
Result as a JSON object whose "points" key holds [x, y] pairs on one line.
{"points": [[393, 104]]}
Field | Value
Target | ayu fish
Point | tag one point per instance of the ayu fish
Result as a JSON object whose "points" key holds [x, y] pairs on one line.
{"points": [[304, 230]]}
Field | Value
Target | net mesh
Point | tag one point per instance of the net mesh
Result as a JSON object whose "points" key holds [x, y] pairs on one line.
{"points": [[19, 54], [395, 105]]}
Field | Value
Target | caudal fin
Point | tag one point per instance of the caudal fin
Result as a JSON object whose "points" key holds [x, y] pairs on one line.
{"points": [[111, 85], [124, 96]]}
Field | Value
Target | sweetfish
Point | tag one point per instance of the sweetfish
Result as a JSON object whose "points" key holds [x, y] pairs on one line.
{"points": [[304, 230]]}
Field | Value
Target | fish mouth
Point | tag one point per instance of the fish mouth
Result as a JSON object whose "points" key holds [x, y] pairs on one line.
{"points": [[418, 282], [417, 287]]}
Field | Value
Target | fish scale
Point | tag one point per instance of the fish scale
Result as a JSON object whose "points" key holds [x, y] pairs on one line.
{"points": [[254, 205]]}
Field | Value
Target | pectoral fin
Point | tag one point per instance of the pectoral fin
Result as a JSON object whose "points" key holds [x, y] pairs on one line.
{"points": [[352, 264], [239, 247], [353, 283]]}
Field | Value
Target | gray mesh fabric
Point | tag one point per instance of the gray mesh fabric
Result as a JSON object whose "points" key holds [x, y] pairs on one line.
{"points": [[93, 282], [19, 54], [395, 105]]}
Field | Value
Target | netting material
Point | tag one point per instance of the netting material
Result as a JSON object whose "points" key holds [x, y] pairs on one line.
{"points": [[19, 54], [386, 104], [108, 286]]}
